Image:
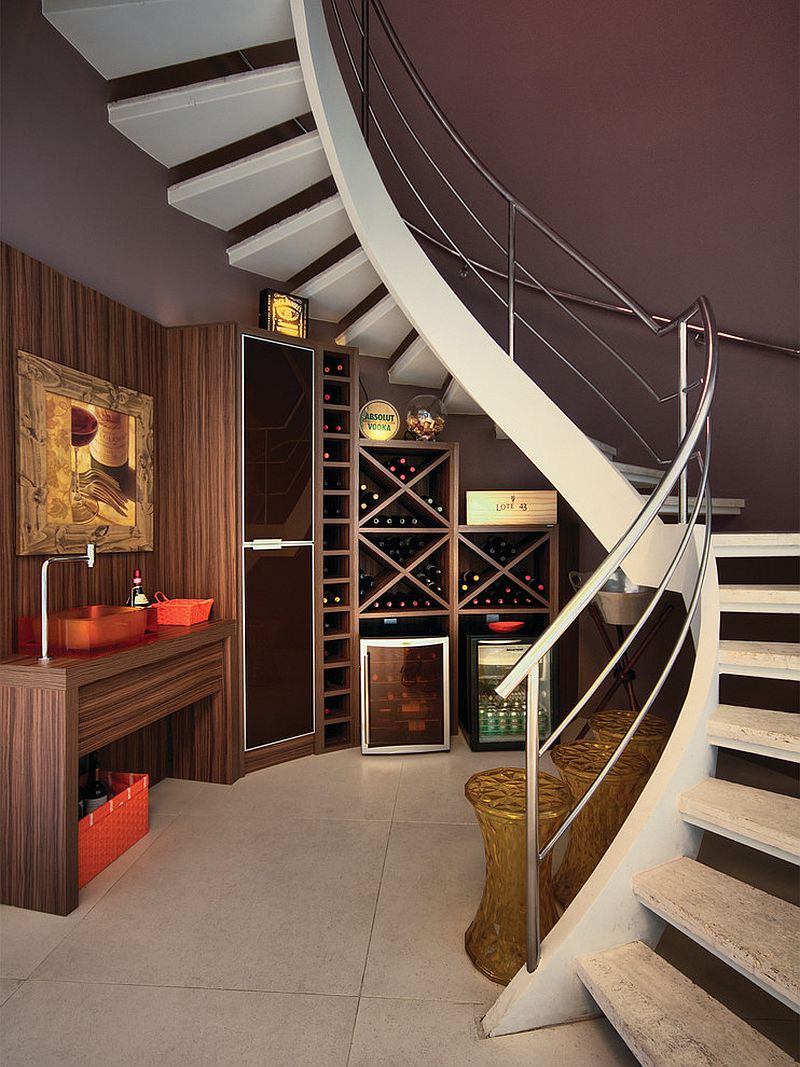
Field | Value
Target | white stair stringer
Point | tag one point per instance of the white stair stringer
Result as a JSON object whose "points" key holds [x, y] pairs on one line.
{"points": [[553, 443]]}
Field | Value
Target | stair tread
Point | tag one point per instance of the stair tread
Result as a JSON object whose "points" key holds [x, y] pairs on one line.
{"points": [[276, 251], [756, 544], [417, 365], [341, 286], [664, 1018], [120, 38], [779, 730], [229, 195], [785, 654], [180, 124], [639, 476], [785, 598], [755, 932], [766, 820], [379, 330]]}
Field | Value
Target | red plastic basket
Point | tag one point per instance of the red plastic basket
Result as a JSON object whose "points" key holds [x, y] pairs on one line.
{"points": [[105, 834], [181, 612]]}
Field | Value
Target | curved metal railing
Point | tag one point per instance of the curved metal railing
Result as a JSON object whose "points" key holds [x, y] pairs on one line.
{"points": [[689, 449]]}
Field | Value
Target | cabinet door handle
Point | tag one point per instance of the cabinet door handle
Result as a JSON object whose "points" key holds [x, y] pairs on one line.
{"points": [[265, 544]]}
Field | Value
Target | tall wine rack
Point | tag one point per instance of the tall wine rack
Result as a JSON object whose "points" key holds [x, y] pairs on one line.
{"points": [[407, 501], [336, 560]]}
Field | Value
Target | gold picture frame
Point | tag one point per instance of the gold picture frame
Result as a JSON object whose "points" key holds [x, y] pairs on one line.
{"points": [[85, 461]]}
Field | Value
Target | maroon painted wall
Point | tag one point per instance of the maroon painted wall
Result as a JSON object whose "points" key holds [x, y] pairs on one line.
{"points": [[80, 197]]}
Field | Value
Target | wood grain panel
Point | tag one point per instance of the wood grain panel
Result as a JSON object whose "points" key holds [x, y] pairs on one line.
{"points": [[146, 751], [39, 799], [57, 318], [198, 455], [267, 756], [116, 706]]}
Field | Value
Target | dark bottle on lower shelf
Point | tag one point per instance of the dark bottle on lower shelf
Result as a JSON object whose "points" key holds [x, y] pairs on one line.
{"points": [[93, 794]]}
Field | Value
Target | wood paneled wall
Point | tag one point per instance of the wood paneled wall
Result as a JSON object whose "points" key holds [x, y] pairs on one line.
{"points": [[53, 316], [192, 374]]}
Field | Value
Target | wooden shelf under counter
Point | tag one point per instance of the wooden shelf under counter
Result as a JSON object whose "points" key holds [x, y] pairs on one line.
{"points": [[52, 713]]}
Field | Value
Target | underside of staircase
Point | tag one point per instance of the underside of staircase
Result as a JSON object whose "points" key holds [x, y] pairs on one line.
{"points": [[245, 104]]}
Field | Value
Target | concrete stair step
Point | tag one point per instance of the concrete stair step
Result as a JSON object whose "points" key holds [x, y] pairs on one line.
{"points": [[457, 400], [755, 933], [640, 477], [230, 195], [378, 331], [181, 124], [119, 37], [339, 287], [417, 364], [665, 1019], [769, 822], [758, 730], [720, 505], [746, 545], [282, 250], [760, 659], [771, 599]]}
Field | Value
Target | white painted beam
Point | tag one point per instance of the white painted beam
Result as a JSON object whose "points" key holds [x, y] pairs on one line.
{"points": [[418, 365], [378, 331]]}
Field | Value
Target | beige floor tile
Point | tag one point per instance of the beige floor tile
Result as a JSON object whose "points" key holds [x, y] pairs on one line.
{"points": [[432, 785], [339, 785], [28, 937], [7, 987], [283, 905], [135, 1026], [171, 796], [411, 1033], [431, 887]]}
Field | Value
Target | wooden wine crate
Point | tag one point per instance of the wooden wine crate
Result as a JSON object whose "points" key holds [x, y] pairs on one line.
{"points": [[527, 507]]}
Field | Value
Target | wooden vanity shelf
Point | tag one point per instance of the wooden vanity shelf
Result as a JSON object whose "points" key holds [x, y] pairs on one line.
{"points": [[53, 713]]}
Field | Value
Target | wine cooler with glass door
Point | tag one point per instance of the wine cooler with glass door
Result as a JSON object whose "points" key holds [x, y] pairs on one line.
{"points": [[490, 722], [405, 698]]}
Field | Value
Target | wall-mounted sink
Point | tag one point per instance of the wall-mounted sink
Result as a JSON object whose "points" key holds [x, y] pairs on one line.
{"points": [[94, 627]]}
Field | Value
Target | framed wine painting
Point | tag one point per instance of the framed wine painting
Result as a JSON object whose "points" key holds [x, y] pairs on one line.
{"points": [[84, 461]]}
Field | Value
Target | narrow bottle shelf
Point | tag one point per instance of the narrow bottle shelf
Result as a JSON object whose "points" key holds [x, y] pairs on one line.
{"points": [[336, 407], [342, 580], [336, 692], [336, 551], [336, 492], [335, 663], [501, 609], [366, 527], [332, 720], [334, 463], [405, 613], [337, 522], [335, 635]]}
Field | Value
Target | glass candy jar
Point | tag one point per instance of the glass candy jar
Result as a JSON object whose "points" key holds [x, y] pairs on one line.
{"points": [[425, 417]]}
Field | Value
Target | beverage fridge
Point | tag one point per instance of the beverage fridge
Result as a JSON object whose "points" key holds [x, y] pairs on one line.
{"points": [[405, 700], [488, 721], [277, 547]]}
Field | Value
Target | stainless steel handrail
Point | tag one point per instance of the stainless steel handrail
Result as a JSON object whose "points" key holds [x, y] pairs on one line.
{"points": [[676, 473]]}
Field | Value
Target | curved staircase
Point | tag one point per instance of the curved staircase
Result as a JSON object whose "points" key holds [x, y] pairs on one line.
{"points": [[246, 103]]}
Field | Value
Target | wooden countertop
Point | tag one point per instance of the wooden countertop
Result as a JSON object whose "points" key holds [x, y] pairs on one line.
{"points": [[65, 672]]}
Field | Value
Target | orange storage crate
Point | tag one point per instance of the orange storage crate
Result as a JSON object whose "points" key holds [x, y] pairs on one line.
{"points": [[105, 834], [181, 612]]}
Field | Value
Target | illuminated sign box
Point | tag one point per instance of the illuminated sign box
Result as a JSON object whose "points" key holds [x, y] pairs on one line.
{"points": [[283, 313]]}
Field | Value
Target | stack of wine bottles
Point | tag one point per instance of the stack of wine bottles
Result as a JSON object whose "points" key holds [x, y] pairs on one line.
{"points": [[400, 601], [430, 575], [366, 583], [400, 549], [368, 497], [499, 549], [402, 467], [394, 520], [501, 594]]}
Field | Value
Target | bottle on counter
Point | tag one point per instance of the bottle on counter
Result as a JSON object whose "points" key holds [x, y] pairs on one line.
{"points": [[137, 597]]}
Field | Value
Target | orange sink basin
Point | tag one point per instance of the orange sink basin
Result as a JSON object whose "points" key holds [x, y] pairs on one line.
{"points": [[94, 627]]}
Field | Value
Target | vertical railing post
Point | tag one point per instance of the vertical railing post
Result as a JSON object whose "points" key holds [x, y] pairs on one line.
{"points": [[532, 820], [683, 403], [512, 255], [365, 69]]}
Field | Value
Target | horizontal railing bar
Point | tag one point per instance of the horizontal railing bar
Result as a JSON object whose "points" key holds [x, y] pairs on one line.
{"points": [[636, 629], [692, 607], [601, 305]]}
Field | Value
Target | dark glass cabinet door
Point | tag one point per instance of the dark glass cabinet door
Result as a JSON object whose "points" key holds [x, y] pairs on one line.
{"points": [[279, 649], [406, 694], [278, 440]]}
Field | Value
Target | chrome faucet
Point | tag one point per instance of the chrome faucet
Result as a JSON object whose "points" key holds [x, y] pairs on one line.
{"points": [[88, 559]]}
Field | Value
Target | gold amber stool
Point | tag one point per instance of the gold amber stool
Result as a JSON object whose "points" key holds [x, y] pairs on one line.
{"points": [[579, 763], [495, 940], [649, 740]]}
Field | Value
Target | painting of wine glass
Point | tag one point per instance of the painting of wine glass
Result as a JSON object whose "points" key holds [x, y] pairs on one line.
{"points": [[85, 461]]}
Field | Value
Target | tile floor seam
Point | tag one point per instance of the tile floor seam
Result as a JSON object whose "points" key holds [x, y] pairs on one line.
{"points": [[102, 896], [191, 988], [374, 912]]}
